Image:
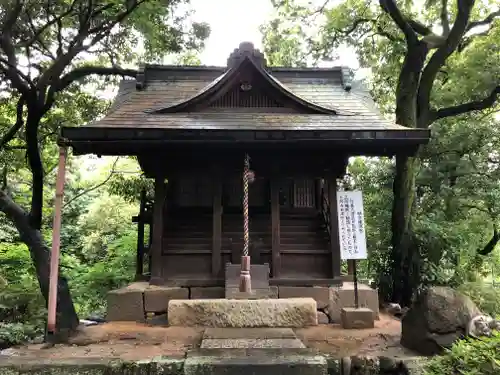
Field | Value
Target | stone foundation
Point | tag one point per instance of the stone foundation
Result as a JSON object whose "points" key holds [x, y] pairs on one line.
{"points": [[293, 312], [282, 362], [138, 300]]}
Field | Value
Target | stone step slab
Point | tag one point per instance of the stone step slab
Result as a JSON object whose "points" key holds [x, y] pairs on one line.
{"points": [[252, 344], [249, 333], [293, 313], [255, 362], [248, 338]]}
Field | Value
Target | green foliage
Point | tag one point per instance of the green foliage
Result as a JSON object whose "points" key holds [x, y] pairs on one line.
{"points": [[115, 270], [98, 254], [106, 219], [485, 295], [457, 191], [16, 333], [22, 308], [469, 357]]}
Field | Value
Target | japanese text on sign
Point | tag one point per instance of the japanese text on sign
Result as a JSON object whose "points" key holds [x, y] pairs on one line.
{"points": [[351, 225]]}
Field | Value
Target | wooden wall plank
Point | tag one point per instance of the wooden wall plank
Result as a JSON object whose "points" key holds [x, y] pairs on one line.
{"points": [[275, 227], [217, 223], [158, 216], [334, 227], [139, 267]]}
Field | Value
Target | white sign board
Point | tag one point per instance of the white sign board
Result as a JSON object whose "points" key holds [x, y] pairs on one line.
{"points": [[351, 225]]}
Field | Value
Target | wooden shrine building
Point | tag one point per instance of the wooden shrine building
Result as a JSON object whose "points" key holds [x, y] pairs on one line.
{"points": [[190, 128]]}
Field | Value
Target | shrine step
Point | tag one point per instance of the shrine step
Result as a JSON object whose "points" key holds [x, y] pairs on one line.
{"points": [[284, 361], [250, 338]]}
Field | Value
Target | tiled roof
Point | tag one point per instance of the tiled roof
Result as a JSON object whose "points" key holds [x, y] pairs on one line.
{"points": [[172, 85]]}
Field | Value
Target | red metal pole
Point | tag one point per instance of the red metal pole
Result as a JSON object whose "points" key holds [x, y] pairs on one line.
{"points": [[56, 242]]}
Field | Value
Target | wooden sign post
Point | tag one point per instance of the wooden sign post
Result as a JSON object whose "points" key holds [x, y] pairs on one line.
{"points": [[352, 234]]}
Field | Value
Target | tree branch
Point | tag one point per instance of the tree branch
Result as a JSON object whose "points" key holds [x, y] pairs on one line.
{"points": [[490, 246], [477, 105], [18, 125], [438, 59], [489, 19], [14, 75], [86, 191], [390, 7], [445, 22], [82, 72], [7, 46], [37, 33], [418, 27]]}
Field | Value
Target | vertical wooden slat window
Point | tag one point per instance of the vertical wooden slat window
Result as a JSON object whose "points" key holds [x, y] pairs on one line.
{"points": [[303, 193]]}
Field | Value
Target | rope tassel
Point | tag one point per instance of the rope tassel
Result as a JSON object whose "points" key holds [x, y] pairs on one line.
{"points": [[245, 280]]}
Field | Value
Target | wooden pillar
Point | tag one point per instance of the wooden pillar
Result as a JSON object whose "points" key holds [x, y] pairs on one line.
{"points": [[156, 247], [56, 242], [139, 266], [350, 267], [275, 227], [334, 226], [217, 224]]}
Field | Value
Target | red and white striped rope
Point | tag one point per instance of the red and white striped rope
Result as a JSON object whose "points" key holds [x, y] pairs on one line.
{"points": [[246, 234]]}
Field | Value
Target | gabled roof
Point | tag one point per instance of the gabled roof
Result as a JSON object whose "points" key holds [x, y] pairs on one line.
{"points": [[230, 77], [179, 98]]}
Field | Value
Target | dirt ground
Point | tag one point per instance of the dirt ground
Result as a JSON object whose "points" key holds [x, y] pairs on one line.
{"points": [[134, 341], [383, 340]]}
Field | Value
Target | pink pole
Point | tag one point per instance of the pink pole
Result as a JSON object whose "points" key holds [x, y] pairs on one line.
{"points": [[56, 241]]}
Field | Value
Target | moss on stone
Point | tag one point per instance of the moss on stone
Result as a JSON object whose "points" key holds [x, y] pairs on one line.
{"points": [[136, 368], [365, 366], [333, 365], [8, 370], [63, 369], [167, 366]]}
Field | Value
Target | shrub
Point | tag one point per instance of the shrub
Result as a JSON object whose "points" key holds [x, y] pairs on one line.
{"points": [[469, 357], [16, 333]]}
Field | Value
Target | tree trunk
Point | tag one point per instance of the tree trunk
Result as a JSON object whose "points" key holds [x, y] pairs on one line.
{"points": [[36, 167], [67, 319], [404, 253]]}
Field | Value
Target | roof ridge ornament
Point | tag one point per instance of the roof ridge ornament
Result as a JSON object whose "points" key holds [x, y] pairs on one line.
{"points": [[246, 50], [347, 76]]}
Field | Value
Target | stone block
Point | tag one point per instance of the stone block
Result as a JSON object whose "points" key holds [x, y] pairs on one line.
{"points": [[245, 343], [156, 298], [125, 305], [255, 361], [207, 292], [249, 333], [323, 318], [353, 318], [340, 297], [234, 293], [294, 312], [320, 294]]}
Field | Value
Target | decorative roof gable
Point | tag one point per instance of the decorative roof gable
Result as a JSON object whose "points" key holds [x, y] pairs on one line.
{"points": [[245, 84]]}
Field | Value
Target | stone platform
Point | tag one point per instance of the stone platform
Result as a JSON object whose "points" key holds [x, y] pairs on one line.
{"points": [[136, 301], [293, 312], [263, 351]]}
